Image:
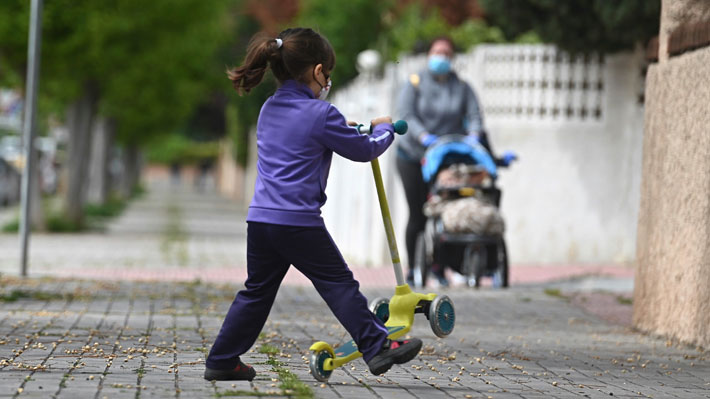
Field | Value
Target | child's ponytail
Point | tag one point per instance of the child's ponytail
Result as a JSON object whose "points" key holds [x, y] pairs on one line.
{"points": [[247, 76], [290, 55]]}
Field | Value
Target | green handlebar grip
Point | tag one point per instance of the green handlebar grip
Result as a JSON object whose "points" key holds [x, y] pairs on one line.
{"points": [[401, 126]]}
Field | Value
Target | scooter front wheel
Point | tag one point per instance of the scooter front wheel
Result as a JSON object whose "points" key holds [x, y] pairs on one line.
{"points": [[442, 316], [317, 362]]}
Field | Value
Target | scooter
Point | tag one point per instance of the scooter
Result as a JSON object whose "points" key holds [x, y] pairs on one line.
{"points": [[397, 312]]}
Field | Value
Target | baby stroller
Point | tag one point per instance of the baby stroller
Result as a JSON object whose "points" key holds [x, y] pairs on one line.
{"points": [[464, 229]]}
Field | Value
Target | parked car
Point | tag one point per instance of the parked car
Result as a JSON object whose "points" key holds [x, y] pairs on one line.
{"points": [[12, 153]]}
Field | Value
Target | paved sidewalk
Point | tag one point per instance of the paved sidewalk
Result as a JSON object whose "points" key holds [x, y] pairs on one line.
{"points": [[72, 339], [62, 336], [179, 234]]}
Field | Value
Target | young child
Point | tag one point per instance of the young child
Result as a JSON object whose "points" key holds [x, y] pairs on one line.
{"points": [[297, 133]]}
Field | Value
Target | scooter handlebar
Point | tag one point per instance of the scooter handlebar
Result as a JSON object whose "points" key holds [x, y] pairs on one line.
{"points": [[400, 127]]}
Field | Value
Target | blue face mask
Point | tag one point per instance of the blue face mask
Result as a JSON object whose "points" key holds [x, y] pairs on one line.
{"points": [[439, 64]]}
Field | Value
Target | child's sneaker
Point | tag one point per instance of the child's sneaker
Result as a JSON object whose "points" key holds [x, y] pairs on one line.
{"points": [[394, 352], [241, 372]]}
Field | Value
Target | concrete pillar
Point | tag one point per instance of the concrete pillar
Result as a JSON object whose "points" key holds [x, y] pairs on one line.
{"points": [[672, 290]]}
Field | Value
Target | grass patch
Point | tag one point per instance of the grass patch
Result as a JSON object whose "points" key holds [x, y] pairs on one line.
{"points": [[13, 226], [112, 208], [63, 382], [59, 223], [624, 301], [232, 392], [16, 295], [138, 191], [553, 292], [269, 349], [56, 222], [289, 382]]}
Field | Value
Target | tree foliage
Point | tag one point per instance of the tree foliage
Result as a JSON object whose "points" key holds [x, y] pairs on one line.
{"points": [[415, 26], [351, 27], [150, 62], [579, 26]]}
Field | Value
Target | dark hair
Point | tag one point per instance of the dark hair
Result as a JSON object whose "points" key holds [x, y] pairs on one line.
{"points": [[442, 39], [301, 49]]}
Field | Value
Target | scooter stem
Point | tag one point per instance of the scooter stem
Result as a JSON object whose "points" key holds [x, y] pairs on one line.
{"points": [[387, 219]]}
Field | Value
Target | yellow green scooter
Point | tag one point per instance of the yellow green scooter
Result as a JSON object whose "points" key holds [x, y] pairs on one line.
{"points": [[397, 312]]}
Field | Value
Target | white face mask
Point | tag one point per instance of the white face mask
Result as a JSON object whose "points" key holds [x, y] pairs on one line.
{"points": [[323, 94], [324, 90]]}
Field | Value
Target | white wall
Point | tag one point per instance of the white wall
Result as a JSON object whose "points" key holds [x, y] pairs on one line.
{"points": [[573, 196]]}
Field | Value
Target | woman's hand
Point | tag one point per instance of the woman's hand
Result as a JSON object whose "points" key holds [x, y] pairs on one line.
{"points": [[382, 119], [427, 139]]}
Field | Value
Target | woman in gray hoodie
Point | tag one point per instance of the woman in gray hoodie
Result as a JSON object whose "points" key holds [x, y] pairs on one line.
{"points": [[435, 102]]}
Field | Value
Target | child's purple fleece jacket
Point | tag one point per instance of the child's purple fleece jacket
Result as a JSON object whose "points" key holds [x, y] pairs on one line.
{"points": [[296, 137]]}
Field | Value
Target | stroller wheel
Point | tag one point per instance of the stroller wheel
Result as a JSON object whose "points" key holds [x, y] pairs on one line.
{"points": [[442, 316], [474, 265], [500, 276], [380, 306]]}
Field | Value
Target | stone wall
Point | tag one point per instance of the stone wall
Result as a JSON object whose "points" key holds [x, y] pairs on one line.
{"points": [[672, 288]]}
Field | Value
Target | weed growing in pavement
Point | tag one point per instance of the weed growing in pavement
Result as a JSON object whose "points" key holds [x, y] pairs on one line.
{"points": [[624, 301], [268, 349], [231, 392], [554, 292], [16, 295], [289, 382]]}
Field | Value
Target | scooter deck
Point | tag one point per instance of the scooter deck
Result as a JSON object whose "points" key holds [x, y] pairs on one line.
{"points": [[350, 348]]}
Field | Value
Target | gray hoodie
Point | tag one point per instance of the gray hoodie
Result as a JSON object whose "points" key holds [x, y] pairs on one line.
{"points": [[435, 107]]}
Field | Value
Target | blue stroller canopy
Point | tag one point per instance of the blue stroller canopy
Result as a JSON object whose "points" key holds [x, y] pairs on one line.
{"points": [[436, 155]]}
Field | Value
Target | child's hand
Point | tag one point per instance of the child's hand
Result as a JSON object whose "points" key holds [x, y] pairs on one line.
{"points": [[382, 119], [352, 123]]}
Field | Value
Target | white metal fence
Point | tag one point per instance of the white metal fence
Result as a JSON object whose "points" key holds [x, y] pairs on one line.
{"points": [[577, 126]]}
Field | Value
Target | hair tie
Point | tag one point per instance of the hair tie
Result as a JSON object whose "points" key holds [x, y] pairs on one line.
{"points": [[279, 43]]}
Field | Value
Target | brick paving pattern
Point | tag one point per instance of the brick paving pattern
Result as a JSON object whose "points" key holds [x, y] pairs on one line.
{"points": [[62, 336], [68, 338]]}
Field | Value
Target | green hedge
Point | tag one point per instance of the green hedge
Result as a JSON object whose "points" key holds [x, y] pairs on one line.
{"points": [[177, 148]]}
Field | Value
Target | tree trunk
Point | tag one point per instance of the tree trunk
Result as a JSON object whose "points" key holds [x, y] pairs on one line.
{"points": [[80, 116], [99, 187], [132, 164]]}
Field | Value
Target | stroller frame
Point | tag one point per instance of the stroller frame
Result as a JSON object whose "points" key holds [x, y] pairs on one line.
{"points": [[472, 255]]}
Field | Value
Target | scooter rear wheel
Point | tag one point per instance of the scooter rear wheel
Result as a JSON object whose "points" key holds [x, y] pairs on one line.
{"points": [[316, 364], [380, 306]]}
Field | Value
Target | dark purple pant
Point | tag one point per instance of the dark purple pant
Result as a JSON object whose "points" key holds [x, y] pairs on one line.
{"points": [[271, 249]]}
